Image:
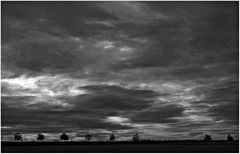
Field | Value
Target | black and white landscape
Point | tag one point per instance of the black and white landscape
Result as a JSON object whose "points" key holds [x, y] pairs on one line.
{"points": [[156, 70]]}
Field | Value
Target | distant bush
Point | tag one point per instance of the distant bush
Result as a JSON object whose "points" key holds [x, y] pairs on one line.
{"points": [[40, 137], [88, 137], [207, 138], [136, 137], [229, 138], [64, 136], [17, 137], [112, 137]]}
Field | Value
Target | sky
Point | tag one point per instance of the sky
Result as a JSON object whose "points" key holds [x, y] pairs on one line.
{"points": [[164, 70]]}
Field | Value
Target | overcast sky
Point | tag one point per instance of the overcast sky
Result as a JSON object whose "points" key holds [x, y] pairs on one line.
{"points": [[166, 70]]}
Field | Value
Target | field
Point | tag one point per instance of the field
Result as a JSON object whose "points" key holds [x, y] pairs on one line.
{"points": [[122, 147]]}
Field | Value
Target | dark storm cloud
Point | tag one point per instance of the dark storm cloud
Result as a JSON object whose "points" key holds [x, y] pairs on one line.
{"points": [[88, 112], [221, 102], [69, 17], [113, 99], [220, 93], [205, 71], [36, 56], [46, 120], [159, 115], [15, 101], [226, 111], [121, 91], [32, 42], [197, 38], [225, 97], [196, 34]]}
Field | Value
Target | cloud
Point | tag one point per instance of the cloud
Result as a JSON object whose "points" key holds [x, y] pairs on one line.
{"points": [[113, 99], [225, 102], [227, 112], [119, 120], [80, 111], [159, 115], [106, 44], [135, 12]]}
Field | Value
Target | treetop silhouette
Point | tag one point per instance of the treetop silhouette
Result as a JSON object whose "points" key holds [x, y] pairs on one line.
{"points": [[136, 137], [64, 136], [111, 137], [88, 137], [40, 137], [17, 137], [229, 138], [207, 138]]}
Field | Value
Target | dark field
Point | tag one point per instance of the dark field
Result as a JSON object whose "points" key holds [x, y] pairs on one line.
{"points": [[122, 147]]}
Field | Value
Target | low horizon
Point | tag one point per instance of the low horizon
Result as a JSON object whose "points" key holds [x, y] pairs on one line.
{"points": [[46, 138]]}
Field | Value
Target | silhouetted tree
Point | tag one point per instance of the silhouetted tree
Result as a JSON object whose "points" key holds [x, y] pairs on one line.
{"points": [[40, 137], [64, 136], [17, 137], [229, 138], [112, 137], [88, 137], [207, 138], [135, 137]]}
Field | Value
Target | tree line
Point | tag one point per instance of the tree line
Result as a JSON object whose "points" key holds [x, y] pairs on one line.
{"points": [[88, 137], [64, 136]]}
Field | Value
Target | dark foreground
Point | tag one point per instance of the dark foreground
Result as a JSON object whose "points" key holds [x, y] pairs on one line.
{"points": [[122, 147]]}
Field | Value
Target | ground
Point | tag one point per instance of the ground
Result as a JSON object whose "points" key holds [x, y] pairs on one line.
{"points": [[122, 147]]}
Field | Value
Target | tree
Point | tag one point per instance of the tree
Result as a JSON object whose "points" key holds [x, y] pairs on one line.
{"points": [[64, 136], [112, 137], [88, 137], [229, 138], [17, 137], [207, 138], [40, 137], [135, 137]]}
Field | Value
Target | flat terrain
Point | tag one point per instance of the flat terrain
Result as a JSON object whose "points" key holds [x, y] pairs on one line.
{"points": [[122, 147]]}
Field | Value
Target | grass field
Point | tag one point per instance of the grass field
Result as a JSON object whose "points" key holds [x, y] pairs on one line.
{"points": [[122, 147]]}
